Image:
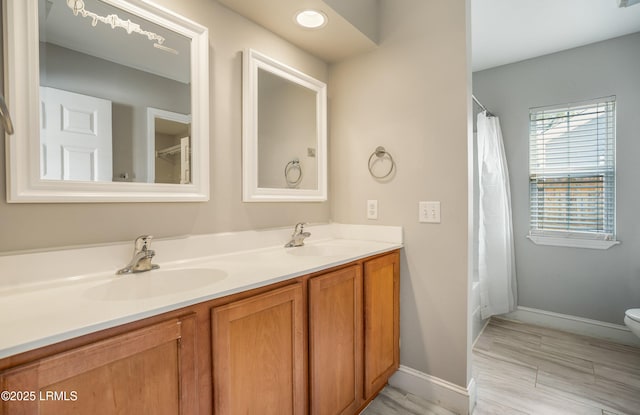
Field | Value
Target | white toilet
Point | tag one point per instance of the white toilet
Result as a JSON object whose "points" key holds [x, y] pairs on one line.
{"points": [[632, 320]]}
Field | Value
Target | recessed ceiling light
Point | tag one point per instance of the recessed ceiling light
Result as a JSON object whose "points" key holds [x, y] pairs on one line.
{"points": [[311, 19]]}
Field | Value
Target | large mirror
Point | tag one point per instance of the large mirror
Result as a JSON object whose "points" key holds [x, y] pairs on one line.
{"points": [[284, 132], [111, 102]]}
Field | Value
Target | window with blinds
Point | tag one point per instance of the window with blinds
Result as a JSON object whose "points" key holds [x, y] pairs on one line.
{"points": [[572, 170]]}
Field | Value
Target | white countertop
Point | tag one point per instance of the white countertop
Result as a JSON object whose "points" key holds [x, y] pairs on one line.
{"points": [[49, 307]]}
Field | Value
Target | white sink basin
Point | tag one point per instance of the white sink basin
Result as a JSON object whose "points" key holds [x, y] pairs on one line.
{"points": [[155, 283]]}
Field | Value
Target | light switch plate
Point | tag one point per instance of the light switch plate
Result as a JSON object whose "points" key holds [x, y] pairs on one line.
{"points": [[429, 212], [372, 209]]}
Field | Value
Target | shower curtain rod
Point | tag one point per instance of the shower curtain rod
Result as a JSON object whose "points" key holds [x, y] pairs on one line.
{"points": [[489, 113]]}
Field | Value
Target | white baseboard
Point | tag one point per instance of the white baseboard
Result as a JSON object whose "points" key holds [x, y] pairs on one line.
{"points": [[485, 323], [446, 394], [578, 325]]}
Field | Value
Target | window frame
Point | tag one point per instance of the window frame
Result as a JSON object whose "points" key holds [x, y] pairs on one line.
{"points": [[572, 237]]}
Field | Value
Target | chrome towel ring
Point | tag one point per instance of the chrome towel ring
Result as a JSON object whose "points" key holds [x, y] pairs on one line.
{"points": [[380, 153], [293, 173]]}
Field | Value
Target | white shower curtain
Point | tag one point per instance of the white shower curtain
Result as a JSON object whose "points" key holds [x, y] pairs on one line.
{"points": [[496, 259]]}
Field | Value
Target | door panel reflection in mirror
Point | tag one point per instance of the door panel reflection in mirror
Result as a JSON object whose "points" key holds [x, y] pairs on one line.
{"points": [[130, 53], [111, 64], [75, 136], [284, 135], [286, 129]]}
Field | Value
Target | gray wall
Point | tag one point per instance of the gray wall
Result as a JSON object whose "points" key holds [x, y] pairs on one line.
{"points": [[411, 96], [40, 226], [588, 283], [363, 14]]}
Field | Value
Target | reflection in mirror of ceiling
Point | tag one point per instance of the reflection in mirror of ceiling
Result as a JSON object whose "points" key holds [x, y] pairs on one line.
{"points": [[58, 25], [170, 127]]}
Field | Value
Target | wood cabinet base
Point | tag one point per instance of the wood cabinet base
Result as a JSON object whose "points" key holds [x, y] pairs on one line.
{"points": [[319, 344]]}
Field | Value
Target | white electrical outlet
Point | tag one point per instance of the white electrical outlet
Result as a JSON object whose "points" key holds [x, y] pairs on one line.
{"points": [[429, 212], [372, 209]]}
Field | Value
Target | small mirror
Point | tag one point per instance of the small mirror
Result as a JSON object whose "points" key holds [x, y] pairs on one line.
{"points": [[284, 133], [119, 90]]}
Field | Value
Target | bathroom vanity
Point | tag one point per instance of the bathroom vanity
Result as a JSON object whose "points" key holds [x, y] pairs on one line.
{"points": [[320, 340]]}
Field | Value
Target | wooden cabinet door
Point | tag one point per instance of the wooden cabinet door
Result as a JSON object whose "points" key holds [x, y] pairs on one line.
{"points": [[147, 371], [258, 354], [335, 342], [381, 321]]}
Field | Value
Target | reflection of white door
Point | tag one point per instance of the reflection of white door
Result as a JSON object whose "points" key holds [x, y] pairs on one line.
{"points": [[75, 136]]}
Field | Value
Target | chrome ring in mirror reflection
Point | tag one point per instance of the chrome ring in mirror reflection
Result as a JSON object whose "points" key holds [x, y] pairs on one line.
{"points": [[291, 168]]}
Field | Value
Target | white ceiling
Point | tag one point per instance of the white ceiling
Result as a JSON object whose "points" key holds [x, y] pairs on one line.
{"points": [[507, 31], [337, 40]]}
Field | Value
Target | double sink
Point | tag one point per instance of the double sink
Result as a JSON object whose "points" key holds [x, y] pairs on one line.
{"points": [[51, 296], [175, 279]]}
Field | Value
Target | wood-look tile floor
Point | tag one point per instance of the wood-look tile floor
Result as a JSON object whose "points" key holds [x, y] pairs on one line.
{"points": [[392, 401], [521, 369], [525, 369]]}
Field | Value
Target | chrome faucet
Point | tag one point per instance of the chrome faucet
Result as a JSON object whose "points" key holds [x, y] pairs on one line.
{"points": [[142, 257], [297, 238]]}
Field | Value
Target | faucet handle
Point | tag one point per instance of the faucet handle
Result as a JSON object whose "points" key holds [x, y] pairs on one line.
{"points": [[299, 227], [143, 242]]}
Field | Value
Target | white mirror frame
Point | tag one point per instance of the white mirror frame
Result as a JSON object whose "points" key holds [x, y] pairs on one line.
{"points": [[252, 61], [22, 80]]}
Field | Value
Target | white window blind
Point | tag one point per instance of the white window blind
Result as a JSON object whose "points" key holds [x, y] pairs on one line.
{"points": [[572, 170]]}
